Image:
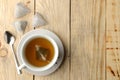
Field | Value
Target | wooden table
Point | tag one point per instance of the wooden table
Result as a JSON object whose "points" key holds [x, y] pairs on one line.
{"points": [[89, 30]]}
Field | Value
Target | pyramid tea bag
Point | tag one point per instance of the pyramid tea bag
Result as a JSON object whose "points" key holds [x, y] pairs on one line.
{"points": [[38, 20], [41, 53], [21, 10], [20, 25]]}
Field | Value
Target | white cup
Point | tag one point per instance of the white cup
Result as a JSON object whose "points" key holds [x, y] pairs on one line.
{"points": [[25, 63]]}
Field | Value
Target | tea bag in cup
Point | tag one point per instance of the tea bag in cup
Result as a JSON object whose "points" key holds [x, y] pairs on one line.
{"points": [[41, 53]]}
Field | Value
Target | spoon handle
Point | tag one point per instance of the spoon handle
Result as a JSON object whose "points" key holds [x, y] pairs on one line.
{"points": [[16, 61]]}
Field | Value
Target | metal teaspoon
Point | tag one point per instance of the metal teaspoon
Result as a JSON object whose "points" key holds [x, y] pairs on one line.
{"points": [[10, 39]]}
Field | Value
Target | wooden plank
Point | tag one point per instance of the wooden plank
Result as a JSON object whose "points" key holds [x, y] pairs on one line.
{"points": [[113, 39], [87, 40], [7, 65], [56, 13]]}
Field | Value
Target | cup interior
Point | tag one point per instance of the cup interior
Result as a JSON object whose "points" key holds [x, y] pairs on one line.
{"points": [[35, 68]]}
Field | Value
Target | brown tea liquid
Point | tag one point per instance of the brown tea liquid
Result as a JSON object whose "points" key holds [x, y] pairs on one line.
{"points": [[30, 52]]}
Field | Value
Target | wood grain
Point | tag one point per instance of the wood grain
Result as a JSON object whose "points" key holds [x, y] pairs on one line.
{"points": [[113, 39], [7, 65], [89, 30], [56, 13], [87, 40]]}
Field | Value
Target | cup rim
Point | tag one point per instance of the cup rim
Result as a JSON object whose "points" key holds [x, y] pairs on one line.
{"points": [[32, 67]]}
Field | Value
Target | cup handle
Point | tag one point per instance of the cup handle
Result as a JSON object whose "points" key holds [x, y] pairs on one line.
{"points": [[20, 67]]}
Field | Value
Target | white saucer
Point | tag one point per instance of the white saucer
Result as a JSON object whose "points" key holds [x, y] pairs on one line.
{"points": [[61, 51]]}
